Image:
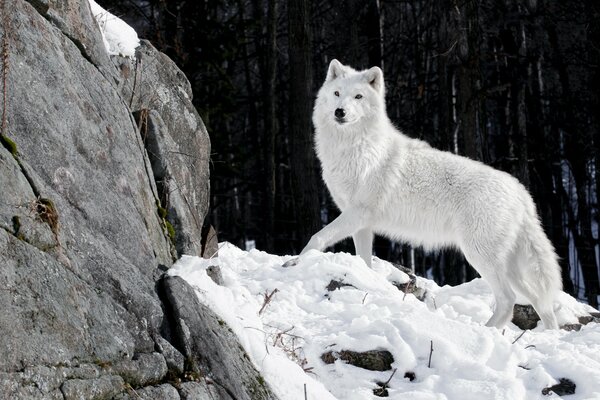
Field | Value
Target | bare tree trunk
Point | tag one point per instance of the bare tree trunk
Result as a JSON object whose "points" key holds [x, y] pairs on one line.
{"points": [[577, 152], [468, 97], [469, 78], [270, 98], [304, 179], [519, 72], [593, 8], [374, 30]]}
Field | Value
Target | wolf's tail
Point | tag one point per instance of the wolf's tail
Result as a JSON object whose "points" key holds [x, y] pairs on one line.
{"points": [[539, 277], [541, 256]]}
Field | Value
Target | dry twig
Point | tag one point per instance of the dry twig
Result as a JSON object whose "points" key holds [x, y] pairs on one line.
{"points": [[268, 298], [430, 353], [518, 337]]}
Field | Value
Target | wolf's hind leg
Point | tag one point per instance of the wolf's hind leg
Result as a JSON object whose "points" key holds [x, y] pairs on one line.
{"points": [[505, 298], [363, 243], [545, 310], [541, 301]]}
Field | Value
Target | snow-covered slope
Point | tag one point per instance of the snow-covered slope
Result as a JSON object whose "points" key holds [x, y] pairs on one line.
{"points": [[303, 320]]}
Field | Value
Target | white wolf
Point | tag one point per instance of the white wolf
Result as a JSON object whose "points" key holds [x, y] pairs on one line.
{"points": [[389, 184]]}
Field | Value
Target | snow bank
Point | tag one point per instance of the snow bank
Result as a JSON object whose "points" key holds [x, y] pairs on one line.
{"points": [[119, 38], [303, 320]]}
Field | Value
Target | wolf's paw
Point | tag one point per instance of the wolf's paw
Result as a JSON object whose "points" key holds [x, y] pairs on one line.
{"points": [[291, 263]]}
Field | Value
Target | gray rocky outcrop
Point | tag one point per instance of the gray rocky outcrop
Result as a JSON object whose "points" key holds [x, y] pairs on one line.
{"points": [[93, 210], [206, 342]]}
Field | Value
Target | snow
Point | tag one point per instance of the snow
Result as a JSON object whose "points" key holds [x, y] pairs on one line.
{"points": [[303, 320], [119, 38]]}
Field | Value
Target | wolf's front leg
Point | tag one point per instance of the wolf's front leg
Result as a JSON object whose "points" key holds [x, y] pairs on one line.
{"points": [[348, 223], [363, 243]]}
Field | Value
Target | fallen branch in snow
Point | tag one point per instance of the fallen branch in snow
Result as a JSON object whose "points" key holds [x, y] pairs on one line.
{"points": [[279, 335], [518, 337], [268, 298], [391, 376], [305, 395], [382, 391], [430, 353], [290, 346], [365, 297]]}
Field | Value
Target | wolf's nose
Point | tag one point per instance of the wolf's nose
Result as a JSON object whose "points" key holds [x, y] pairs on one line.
{"points": [[340, 113]]}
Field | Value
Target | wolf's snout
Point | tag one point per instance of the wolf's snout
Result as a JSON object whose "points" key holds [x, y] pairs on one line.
{"points": [[340, 113]]}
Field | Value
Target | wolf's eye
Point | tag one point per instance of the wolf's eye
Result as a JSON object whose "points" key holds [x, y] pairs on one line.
{"points": [[358, 96], [337, 93]]}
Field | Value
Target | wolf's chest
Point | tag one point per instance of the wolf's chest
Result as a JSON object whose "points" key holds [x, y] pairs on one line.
{"points": [[348, 174]]}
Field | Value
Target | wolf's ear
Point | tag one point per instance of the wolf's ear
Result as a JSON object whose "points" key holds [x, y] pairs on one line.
{"points": [[336, 70], [375, 78]]}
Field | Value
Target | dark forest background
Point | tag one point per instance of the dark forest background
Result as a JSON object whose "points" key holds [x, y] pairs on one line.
{"points": [[512, 83]]}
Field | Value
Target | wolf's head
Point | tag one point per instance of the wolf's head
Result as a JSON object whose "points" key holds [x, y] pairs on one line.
{"points": [[349, 97]]}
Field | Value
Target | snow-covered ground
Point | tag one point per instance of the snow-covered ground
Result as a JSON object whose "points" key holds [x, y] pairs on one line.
{"points": [[303, 320], [119, 38]]}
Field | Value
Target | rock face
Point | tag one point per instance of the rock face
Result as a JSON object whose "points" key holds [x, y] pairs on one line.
{"points": [[206, 344], [93, 210]]}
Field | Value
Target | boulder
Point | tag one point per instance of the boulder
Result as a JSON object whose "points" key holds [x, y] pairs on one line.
{"points": [[175, 138], [564, 387], [84, 217], [373, 360], [196, 391], [524, 316], [104, 387]]}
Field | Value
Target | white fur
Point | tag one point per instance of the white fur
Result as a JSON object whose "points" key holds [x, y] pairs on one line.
{"points": [[387, 183]]}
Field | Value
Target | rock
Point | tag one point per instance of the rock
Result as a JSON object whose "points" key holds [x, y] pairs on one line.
{"points": [[334, 285], [173, 358], [410, 375], [571, 327], [411, 287], [160, 392], [592, 317], [525, 317], [142, 370], [76, 22], [104, 387], [196, 391], [209, 345], [81, 238], [381, 390], [373, 360], [51, 315], [214, 273], [564, 387], [177, 140], [210, 242]]}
